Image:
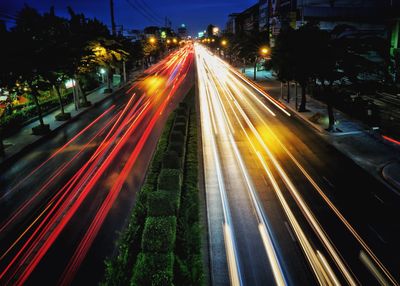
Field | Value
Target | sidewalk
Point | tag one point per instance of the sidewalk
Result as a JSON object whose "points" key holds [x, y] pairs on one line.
{"points": [[24, 138], [369, 150]]}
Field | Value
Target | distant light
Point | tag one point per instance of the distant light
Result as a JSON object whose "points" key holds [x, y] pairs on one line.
{"points": [[102, 71], [200, 34], [152, 40], [215, 31], [175, 40], [168, 41], [163, 34], [264, 51], [69, 83], [183, 26]]}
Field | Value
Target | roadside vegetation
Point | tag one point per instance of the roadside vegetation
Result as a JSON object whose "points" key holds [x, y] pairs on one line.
{"points": [[161, 244]]}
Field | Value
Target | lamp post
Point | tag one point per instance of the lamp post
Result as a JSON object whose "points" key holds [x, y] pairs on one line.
{"points": [[224, 44], [263, 52], [102, 72]]}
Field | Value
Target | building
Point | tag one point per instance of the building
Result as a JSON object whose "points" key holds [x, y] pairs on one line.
{"points": [[182, 31], [264, 13], [133, 35], [244, 22], [231, 25], [369, 17]]}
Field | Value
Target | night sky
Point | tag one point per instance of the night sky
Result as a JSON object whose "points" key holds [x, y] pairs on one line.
{"points": [[196, 14]]}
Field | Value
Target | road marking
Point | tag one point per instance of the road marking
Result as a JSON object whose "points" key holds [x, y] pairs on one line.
{"points": [[379, 199], [290, 231], [329, 183], [380, 237]]}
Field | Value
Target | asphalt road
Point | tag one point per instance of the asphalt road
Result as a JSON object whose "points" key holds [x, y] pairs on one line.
{"points": [[63, 203], [329, 220]]}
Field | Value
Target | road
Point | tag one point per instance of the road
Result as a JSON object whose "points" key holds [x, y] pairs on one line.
{"points": [[63, 203], [283, 206]]}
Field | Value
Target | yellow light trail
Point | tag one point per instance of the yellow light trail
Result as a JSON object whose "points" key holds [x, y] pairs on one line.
{"points": [[225, 131], [224, 76]]}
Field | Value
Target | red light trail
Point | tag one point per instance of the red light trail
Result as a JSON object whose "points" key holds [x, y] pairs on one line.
{"points": [[32, 244]]}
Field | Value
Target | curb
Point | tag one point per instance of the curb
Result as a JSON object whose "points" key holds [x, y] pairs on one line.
{"points": [[8, 160], [389, 172], [309, 123]]}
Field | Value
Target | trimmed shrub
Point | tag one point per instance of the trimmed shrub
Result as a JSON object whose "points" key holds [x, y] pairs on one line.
{"points": [[159, 234], [178, 147], [181, 111], [180, 126], [153, 269], [188, 266], [177, 136], [181, 119], [170, 180], [171, 160], [163, 203], [120, 267], [63, 117], [183, 105]]}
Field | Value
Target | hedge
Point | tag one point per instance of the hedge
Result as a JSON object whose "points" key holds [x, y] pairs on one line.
{"points": [[178, 147], [181, 111], [177, 136], [10, 124], [171, 160], [119, 268], [164, 231], [163, 203], [170, 180], [153, 269], [180, 126], [181, 119], [159, 234], [188, 266]]}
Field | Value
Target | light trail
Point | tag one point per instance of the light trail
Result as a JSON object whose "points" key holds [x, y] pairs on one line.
{"points": [[215, 109], [64, 204], [209, 128], [322, 272], [228, 80], [58, 152]]}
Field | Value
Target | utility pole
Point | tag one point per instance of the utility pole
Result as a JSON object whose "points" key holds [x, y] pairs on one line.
{"points": [[113, 29]]}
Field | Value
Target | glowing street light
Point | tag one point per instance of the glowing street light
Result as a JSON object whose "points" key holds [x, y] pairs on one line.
{"points": [[102, 71], [224, 43], [152, 40], [175, 40], [168, 41], [264, 51], [215, 31]]}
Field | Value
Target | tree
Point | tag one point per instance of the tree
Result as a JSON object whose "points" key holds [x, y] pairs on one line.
{"points": [[327, 70], [28, 57], [55, 67], [247, 46], [82, 31], [107, 53], [4, 71], [283, 55], [307, 54]]}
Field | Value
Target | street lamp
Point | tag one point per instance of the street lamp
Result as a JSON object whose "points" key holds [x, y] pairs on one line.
{"points": [[264, 51], [175, 40], [224, 43], [168, 41], [152, 40]]}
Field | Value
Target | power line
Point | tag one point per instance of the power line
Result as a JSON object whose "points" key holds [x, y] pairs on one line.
{"points": [[147, 11], [141, 12], [150, 9]]}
